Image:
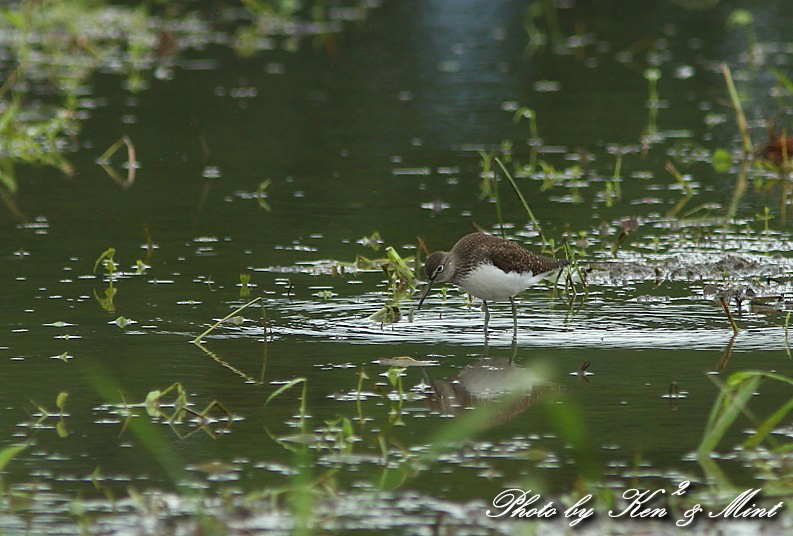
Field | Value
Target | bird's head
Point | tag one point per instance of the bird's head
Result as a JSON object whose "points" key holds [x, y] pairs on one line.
{"points": [[438, 270]]}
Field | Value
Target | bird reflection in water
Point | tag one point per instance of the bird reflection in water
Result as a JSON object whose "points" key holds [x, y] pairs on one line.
{"points": [[490, 380]]}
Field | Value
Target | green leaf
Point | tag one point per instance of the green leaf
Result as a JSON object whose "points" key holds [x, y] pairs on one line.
{"points": [[260, 195], [60, 401], [16, 18], [523, 113], [401, 267], [9, 114], [783, 80], [8, 454], [721, 160], [61, 430], [283, 388], [740, 17], [109, 253], [652, 74], [388, 314], [728, 406], [152, 403], [7, 176], [765, 428], [394, 374]]}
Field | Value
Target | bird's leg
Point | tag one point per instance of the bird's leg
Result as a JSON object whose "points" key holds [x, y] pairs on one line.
{"points": [[514, 318], [487, 315]]}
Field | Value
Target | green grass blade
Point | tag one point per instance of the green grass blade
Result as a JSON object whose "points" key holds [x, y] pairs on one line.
{"points": [[522, 200], [8, 454], [740, 118], [216, 324], [108, 253], [283, 388], [765, 428], [783, 80], [728, 406]]}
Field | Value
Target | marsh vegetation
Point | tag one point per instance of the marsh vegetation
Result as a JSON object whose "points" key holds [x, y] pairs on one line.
{"points": [[265, 180]]}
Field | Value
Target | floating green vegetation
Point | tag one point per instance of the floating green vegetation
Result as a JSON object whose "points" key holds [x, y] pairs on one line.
{"points": [[174, 410], [245, 289], [57, 46], [230, 318], [401, 280], [285, 22], [35, 137], [107, 260], [44, 414]]}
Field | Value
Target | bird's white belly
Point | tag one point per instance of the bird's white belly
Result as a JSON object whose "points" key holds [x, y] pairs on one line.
{"points": [[489, 283]]}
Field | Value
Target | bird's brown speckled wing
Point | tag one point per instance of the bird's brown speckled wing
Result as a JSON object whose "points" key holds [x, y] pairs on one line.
{"points": [[507, 256]]}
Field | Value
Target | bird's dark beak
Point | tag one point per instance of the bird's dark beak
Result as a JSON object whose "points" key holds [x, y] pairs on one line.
{"points": [[426, 291]]}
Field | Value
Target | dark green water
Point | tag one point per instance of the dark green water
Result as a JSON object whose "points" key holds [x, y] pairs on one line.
{"points": [[384, 136]]}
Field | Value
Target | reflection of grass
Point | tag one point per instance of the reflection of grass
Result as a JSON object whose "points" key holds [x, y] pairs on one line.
{"points": [[229, 316], [685, 184]]}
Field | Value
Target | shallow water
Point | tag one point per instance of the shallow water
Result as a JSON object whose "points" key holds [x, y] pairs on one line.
{"points": [[384, 136]]}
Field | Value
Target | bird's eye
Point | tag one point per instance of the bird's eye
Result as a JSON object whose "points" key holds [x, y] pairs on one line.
{"points": [[439, 269]]}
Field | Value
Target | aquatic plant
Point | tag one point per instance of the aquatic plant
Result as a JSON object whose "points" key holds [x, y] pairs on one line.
{"points": [[108, 262], [613, 190], [523, 202], [7, 454], [537, 36], [60, 45], [740, 118], [534, 136], [685, 184], [743, 18], [226, 318], [132, 163], [44, 414], [764, 449], [650, 134], [245, 289], [401, 280], [37, 139], [261, 194], [179, 407], [488, 186]]}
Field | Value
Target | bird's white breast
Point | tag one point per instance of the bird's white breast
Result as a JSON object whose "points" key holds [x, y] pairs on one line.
{"points": [[487, 282]]}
